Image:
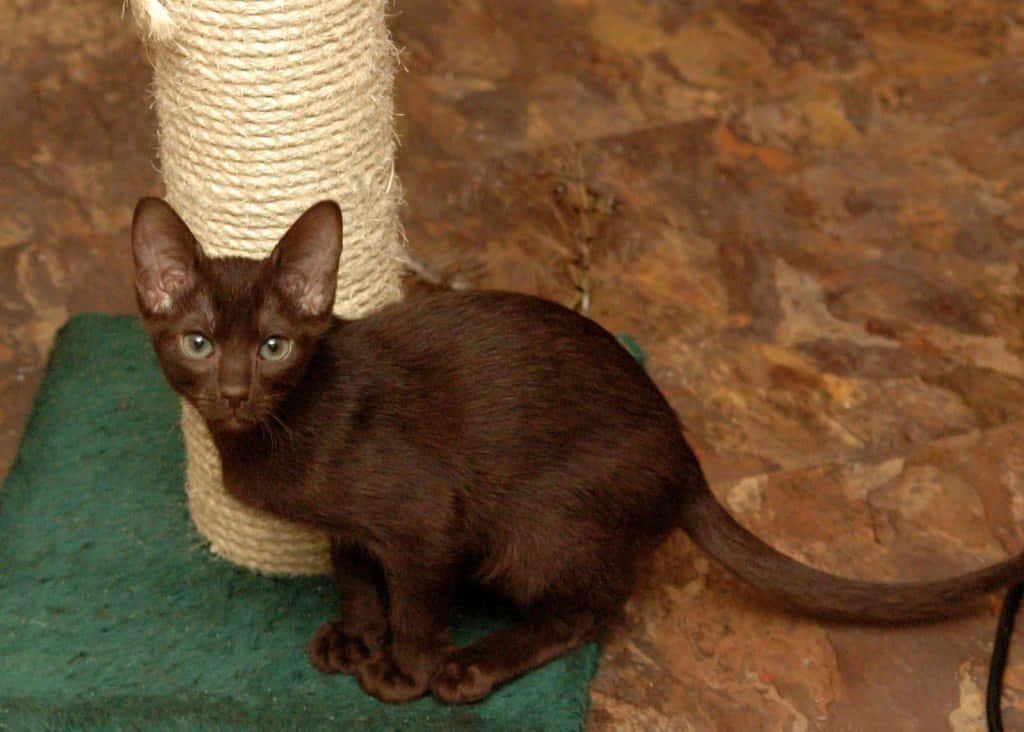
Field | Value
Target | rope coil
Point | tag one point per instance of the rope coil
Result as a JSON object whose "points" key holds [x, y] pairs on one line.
{"points": [[265, 108]]}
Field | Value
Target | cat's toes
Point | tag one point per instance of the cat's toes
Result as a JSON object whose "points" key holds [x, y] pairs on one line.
{"points": [[333, 651], [457, 682], [383, 679]]}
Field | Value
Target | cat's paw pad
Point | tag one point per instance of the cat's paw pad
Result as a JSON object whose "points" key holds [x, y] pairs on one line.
{"points": [[333, 651], [383, 679], [457, 682]]}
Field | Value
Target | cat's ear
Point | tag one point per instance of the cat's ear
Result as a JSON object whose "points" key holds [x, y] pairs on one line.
{"points": [[305, 261], [166, 255]]}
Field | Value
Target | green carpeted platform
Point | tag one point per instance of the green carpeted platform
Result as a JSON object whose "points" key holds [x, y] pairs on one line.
{"points": [[112, 614]]}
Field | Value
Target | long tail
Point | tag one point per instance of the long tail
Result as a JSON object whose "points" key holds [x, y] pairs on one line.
{"points": [[825, 595]]}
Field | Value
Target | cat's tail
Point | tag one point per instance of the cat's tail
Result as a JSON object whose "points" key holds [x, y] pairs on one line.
{"points": [[826, 595]]}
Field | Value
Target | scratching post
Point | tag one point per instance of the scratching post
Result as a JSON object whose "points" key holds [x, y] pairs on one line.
{"points": [[265, 107]]}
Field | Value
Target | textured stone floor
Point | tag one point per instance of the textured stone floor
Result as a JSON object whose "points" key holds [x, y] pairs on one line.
{"points": [[810, 214]]}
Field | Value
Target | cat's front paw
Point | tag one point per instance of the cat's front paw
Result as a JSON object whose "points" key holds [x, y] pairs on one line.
{"points": [[461, 682], [383, 679], [333, 651]]}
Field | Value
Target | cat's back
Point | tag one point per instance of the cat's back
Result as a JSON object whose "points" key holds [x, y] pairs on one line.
{"points": [[513, 349], [489, 328]]}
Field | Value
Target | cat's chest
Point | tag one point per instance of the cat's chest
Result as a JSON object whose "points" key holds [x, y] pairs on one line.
{"points": [[265, 475], [289, 479], [255, 481]]}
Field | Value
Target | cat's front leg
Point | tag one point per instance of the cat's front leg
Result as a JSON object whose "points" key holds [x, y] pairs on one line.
{"points": [[341, 646], [418, 615]]}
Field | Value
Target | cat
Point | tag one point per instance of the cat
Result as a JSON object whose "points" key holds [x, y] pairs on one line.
{"points": [[488, 438]]}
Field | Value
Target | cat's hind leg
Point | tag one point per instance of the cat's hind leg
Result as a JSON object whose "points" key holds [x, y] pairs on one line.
{"points": [[358, 636]]}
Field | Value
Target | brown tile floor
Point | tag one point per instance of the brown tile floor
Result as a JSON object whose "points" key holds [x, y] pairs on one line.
{"points": [[811, 214]]}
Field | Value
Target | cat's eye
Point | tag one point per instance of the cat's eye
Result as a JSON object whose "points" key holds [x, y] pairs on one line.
{"points": [[275, 348], [196, 345]]}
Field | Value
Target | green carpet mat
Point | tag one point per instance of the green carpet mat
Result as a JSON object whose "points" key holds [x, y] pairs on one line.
{"points": [[112, 614]]}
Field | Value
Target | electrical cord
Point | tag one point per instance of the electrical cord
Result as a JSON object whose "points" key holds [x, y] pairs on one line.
{"points": [[1000, 652]]}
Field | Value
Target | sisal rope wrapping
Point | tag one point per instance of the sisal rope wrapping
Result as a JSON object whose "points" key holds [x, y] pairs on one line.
{"points": [[265, 107]]}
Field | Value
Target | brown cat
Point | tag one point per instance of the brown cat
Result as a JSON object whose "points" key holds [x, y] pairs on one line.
{"points": [[480, 437]]}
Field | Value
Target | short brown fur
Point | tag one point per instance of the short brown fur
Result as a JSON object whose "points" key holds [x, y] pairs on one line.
{"points": [[485, 437]]}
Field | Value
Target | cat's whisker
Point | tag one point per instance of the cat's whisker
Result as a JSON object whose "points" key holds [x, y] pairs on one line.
{"points": [[275, 429]]}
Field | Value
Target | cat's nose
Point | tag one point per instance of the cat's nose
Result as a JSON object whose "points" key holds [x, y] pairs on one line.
{"points": [[234, 394]]}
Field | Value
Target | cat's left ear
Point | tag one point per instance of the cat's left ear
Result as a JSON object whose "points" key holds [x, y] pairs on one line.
{"points": [[166, 256], [305, 261]]}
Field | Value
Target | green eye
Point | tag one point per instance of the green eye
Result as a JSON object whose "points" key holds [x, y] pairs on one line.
{"points": [[275, 348], [196, 345]]}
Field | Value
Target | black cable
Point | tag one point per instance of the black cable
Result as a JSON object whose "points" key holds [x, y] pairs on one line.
{"points": [[1000, 651]]}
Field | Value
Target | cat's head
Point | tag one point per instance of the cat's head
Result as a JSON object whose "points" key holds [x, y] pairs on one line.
{"points": [[234, 335]]}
